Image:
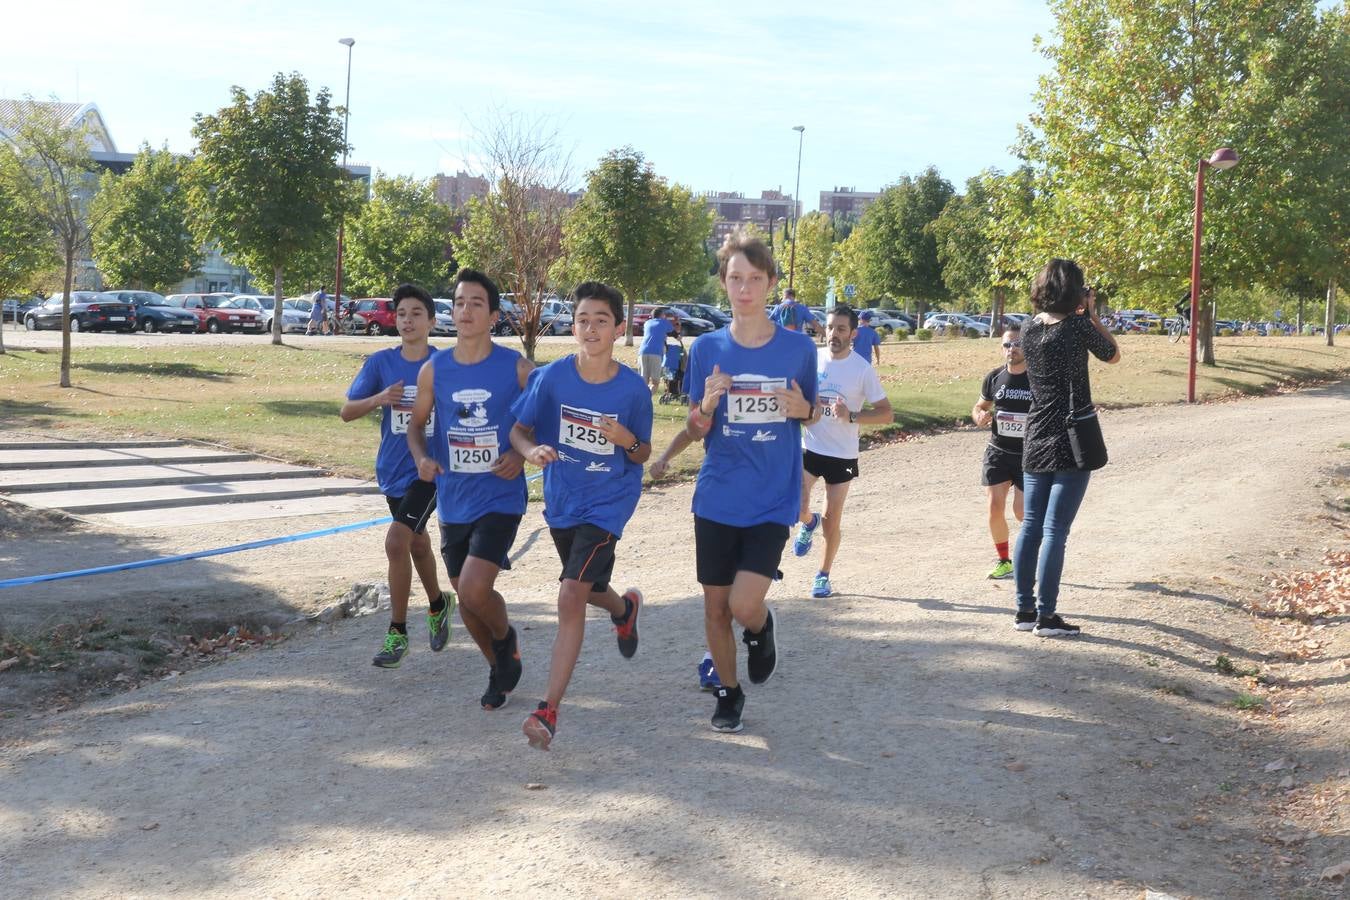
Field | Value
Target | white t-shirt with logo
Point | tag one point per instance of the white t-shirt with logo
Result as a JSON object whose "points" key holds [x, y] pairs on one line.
{"points": [[852, 378]]}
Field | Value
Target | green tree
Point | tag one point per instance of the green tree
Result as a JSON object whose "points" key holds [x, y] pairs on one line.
{"points": [[51, 179], [976, 251], [899, 250], [814, 241], [636, 232], [401, 234], [1139, 93], [849, 266], [142, 239], [25, 247], [266, 183]]}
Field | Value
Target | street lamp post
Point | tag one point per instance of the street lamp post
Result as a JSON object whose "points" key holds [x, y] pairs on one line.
{"points": [[342, 216], [1221, 159], [796, 199]]}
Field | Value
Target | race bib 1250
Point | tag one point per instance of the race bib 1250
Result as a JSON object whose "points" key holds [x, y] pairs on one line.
{"points": [[472, 450]]}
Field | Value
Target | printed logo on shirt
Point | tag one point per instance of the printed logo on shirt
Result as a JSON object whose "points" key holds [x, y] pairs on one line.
{"points": [[1006, 393], [762, 435], [472, 406], [563, 457], [598, 467], [728, 431]]}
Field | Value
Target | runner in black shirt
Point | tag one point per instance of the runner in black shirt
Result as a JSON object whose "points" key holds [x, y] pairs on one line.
{"points": [[1005, 399]]}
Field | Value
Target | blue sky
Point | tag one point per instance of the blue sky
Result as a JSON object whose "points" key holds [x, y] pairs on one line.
{"points": [[708, 91]]}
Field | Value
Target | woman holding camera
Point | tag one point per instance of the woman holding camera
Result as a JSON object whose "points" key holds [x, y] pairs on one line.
{"points": [[1063, 442]]}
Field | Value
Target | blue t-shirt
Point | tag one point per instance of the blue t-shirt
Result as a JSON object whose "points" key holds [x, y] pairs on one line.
{"points": [[394, 466], [654, 336], [593, 482], [674, 353], [752, 467], [473, 412], [865, 340]]}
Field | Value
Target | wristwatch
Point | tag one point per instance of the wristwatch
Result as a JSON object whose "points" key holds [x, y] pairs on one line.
{"points": [[637, 445], [852, 417]]}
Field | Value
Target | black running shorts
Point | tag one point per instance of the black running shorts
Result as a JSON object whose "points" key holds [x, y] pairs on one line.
{"points": [[1000, 467], [488, 538], [833, 469], [723, 550], [415, 507], [587, 554]]}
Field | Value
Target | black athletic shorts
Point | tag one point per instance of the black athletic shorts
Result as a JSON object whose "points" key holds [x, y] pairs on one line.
{"points": [[416, 506], [489, 538], [1000, 467], [833, 469], [723, 550], [587, 554]]}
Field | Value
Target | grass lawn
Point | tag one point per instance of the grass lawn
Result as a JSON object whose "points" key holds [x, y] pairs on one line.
{"points": [[283, 401]]}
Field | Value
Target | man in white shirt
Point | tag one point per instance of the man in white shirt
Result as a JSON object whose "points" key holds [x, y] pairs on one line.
{"points": [[849, 393]]}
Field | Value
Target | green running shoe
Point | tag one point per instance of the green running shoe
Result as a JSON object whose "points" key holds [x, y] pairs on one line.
{"points": [[438, 624], [395, 645], [1004, 569]]}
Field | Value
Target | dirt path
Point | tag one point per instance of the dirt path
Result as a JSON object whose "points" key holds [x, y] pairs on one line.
{"points": [[912, 744]]}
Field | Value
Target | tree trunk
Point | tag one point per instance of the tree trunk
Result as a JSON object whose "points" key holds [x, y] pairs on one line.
{"points": [[628, 323], [276, 306], [1298, 330], [1330, 317], [65, 315], [996, 316], [1206, 333], [918, 319]]}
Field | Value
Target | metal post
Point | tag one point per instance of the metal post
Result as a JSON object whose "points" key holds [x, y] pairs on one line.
{"points": [[1195, 275], [796, 200], [342, 216]]}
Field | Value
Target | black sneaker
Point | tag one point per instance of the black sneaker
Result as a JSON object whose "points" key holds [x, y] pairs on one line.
{"points": [[762, 658], [730, 702], [626, 629], [494, 697], [1025, 621], [508, 667], [1054, 626]]}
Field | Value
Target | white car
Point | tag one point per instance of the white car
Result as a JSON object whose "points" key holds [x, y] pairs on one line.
{"points": [[445, 319]]}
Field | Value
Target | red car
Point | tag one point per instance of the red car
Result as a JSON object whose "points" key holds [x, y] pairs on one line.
{"points": [[215, 313], [374, 315]]}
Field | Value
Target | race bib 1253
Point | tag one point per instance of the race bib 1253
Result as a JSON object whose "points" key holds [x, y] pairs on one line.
{"points": [[752, 401]]}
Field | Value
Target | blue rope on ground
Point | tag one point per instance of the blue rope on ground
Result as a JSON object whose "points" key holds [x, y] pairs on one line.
{"points": [[200, 554]]}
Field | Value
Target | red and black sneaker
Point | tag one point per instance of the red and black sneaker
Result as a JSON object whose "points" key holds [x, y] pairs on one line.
{"points": [[626, 629], [540, 726]]}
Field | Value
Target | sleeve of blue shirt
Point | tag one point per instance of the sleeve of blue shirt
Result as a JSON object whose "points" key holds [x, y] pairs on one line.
{"points": [[641, 416], [694, 376], [368, 381], [806, 375], [526, 408]]}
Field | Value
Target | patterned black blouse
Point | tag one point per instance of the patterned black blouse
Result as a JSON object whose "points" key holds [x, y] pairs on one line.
{"points": [[1057, 358]]}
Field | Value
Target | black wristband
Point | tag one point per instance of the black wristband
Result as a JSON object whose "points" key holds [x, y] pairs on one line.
{"points": [[637, 445]]}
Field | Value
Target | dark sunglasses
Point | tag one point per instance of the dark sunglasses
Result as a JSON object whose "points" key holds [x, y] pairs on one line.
{"points": [[1007, 344]]}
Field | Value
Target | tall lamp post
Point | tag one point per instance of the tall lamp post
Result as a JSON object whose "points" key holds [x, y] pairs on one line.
{"points": [[1221, 159], [342, 217], [792, 260]]}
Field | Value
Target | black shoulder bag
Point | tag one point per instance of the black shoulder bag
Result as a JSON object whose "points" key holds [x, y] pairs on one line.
{"points": [[1085, 435]]}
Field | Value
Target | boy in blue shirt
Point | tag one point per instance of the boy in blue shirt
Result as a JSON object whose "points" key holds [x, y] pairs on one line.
{"points": [[480, 484], [652, 351], [751, 385], [866, 342], [388, 381], [587, 421]]}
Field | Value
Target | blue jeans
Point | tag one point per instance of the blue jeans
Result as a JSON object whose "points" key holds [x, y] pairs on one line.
{"points": [[1050, 500]]}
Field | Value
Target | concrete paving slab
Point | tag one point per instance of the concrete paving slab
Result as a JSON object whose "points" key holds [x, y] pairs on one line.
{"points": [[78, 455], [102, 445], [15, 481], [325, 510], [114, 499]]}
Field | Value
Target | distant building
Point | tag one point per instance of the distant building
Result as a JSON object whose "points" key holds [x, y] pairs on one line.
{"points": [[731, 210], [846, 201], [456, 190]]}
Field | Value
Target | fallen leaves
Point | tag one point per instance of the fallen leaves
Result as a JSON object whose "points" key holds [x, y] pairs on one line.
{"points": [[1306, 596], [1336, 873]]}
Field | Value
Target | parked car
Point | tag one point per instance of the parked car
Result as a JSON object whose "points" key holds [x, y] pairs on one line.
{"points": [[445, 318], [215, 313], [373, 315], [153, 312], [888, 321], [555, 317], [719, 317], [87, 313], [942, 320], [15, 308], [688, 326], [294, 316]]}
